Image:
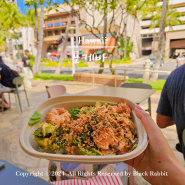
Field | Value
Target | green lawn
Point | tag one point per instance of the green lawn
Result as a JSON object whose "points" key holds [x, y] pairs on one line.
{"points": [[114, 61], [158, 86], [49, 76], [46, 62]]}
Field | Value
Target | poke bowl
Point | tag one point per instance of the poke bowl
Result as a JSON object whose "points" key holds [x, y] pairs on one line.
{"points": [[92, 129]]}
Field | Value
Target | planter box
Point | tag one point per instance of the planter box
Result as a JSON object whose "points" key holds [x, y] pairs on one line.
{"points": [[100, 79]]}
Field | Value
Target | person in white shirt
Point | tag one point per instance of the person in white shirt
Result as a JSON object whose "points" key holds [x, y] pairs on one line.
{"points": [[26, 69]]}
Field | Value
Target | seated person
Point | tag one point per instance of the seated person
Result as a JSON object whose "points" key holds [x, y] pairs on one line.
{"points": [[171, 109], [4, 75]]}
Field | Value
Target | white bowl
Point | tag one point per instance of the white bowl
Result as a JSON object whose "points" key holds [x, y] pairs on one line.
{"points": [[30, 146]]}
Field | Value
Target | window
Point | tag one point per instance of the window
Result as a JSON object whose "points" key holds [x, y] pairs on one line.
{"points": [[144, 28], [57, 32], [63, 30], [44, 33], [72, 22], [50, 25], [55, 46], [57, 24], [19, 34], [19, 46], [52, 47], [50, 33], [64, 23]]}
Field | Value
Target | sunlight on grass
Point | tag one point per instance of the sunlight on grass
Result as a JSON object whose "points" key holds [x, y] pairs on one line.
{"points": [[158, 86], [49, 76]]}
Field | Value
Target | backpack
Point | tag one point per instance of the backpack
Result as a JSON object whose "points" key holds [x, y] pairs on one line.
{"points": [[12, 74]]}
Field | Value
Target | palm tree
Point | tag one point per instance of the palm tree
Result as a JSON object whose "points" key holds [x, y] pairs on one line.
{"points": [[2, 38], [149, 8], [39, 41], [171, 19], [160, 42], [11, 19]]}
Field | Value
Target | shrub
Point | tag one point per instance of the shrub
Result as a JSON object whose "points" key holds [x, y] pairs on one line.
{"points": [[82, 65], [158, 85], [49, 76], [32, 59], [114, 61], [64, 64]]}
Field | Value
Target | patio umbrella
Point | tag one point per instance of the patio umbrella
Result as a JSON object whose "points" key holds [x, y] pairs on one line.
{"points": [[53, 54], [81, 53], [59, 53], [69, 53], [99, 52]]}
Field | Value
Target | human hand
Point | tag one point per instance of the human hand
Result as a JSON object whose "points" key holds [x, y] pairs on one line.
{"points": [[158, 156]]}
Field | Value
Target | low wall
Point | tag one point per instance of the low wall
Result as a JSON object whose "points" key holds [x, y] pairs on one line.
{"points": [[100, 79]]}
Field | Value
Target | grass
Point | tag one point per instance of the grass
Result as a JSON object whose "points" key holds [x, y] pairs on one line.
{"points": [[114, 61], [158, 86], [46, 62], [49, 76]]}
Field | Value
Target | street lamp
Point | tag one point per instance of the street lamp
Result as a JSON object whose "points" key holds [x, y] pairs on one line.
{"points": [[72, 30]]}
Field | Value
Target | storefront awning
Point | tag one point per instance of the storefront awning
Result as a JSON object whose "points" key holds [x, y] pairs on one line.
{"points": [[17, 43], [99, 52], [81, 53]]}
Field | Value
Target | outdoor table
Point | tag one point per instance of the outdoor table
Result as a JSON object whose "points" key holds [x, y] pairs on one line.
{"points": [[134, 94], [8, 176]]}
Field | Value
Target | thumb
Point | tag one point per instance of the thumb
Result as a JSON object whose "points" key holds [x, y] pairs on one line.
{"points": [[146, 120]]}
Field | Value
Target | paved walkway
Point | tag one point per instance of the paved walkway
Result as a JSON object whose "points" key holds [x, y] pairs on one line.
{"points": [[12, 121]]}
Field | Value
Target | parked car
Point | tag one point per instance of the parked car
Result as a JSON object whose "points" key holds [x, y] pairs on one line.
{"points": [[152, 62]]}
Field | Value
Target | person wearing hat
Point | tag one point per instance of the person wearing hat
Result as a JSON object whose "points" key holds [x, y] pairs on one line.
{"points": [[26, 69]]}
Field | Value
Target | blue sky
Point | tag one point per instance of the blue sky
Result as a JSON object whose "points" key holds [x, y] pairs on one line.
{"points": [[21, 5]]}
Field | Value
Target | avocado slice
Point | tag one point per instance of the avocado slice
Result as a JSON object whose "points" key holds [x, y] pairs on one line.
{"points": [[33, 122], [36, 115], [41, 141]]}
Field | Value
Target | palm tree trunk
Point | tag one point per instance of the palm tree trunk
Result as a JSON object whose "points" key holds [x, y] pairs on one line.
{"points": [[162, 50], [36, 24], [154, 76], [39, 46], [100, 71], [64, 45], [153, 49], [125, 46], [27, 38]]}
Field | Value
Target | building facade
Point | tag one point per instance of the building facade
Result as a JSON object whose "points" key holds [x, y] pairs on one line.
{"points": [[174, 40], [11, 1], [85, 41], [89, 45], [54, 28], [25, 41]]}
